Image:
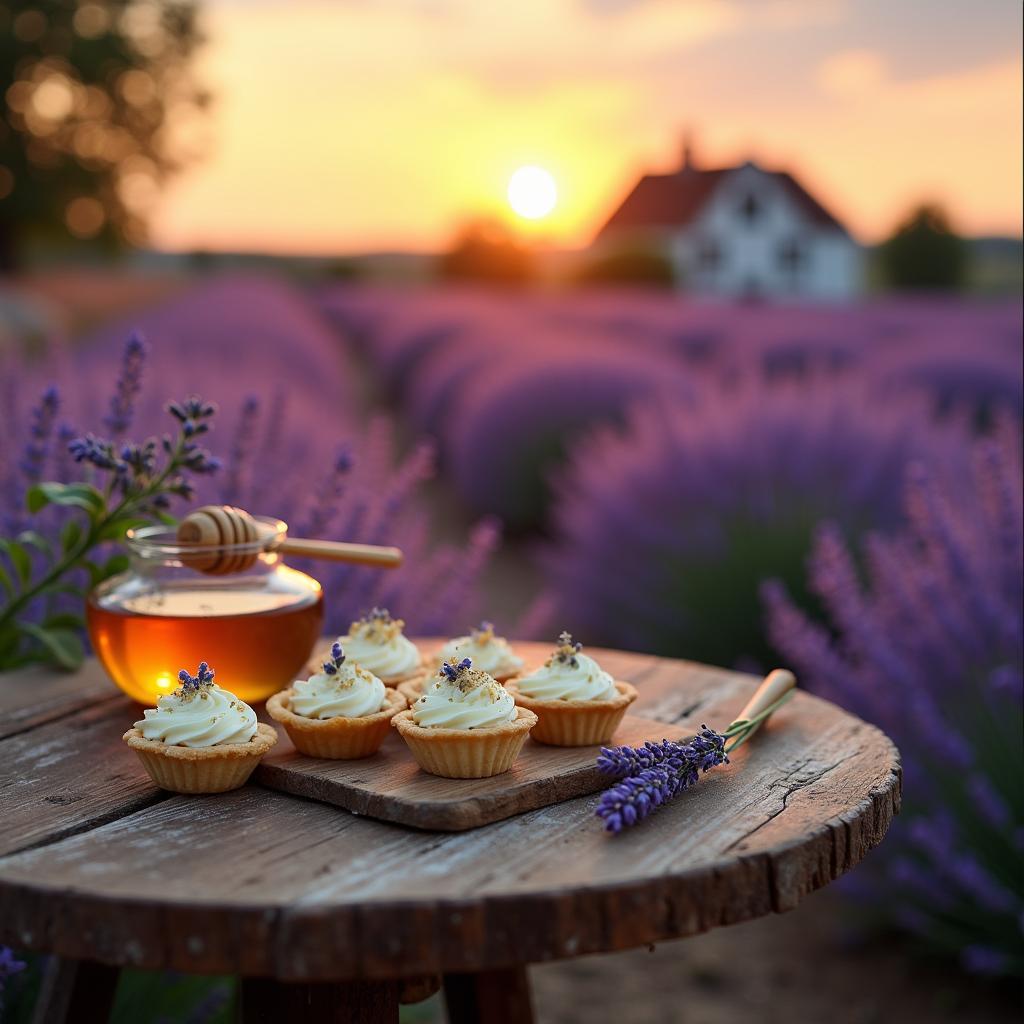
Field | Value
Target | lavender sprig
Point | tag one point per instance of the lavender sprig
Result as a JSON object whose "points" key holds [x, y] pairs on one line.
{"points": [[337, 659], [567, 650], [130, 484], [653, 774], [451, 671], [191, 685]]}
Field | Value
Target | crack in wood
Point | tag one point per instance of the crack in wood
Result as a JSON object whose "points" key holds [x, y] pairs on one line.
{"points": [[88, 825], [798, 784]]}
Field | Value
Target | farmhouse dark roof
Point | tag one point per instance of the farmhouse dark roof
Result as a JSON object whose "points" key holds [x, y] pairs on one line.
{"points": [[674, 200]]}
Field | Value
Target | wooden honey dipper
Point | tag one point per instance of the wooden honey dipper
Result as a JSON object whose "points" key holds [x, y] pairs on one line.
{"points": [[223, 526]]}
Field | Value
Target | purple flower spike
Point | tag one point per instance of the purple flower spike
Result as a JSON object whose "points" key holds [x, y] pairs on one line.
{"points": [[653, 774], [337, 659], [129, 383], [37, 449]]}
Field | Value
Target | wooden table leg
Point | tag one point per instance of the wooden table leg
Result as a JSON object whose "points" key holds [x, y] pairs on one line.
{"points": [[76, 992], [266, 1001], [497, 997]]}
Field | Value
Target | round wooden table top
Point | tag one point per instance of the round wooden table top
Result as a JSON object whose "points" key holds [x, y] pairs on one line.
{"points": [[97, 863]]}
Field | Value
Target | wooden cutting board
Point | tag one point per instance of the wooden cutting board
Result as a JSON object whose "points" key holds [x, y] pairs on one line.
{"points": [[391, 786]]}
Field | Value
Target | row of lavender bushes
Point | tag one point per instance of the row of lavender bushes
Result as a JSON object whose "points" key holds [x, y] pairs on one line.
{"points": [[731, 485], [506, 384], [290, 434]]}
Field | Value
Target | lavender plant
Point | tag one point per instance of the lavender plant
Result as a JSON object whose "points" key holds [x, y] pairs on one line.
{"points": [[930, 647], [124, 485], [664, 530]]}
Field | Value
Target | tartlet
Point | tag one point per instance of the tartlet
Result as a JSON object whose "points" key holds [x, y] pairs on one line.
{"points": [[559, 694], [313, 711], [489, 652], [201, 738], [377, 643], [487, 730]]}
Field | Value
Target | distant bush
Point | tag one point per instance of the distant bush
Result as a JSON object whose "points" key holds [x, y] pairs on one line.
{"points": [[488, 254], [924, 254], [629, 267]]}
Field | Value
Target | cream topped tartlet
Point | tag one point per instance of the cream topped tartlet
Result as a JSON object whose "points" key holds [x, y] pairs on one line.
{"points": [[489, 652], [342, 712], [466, 725], [200, 738], [376, 642], [577, 703]]}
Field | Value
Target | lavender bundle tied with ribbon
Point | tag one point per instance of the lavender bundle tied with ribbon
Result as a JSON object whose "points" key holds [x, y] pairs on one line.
{"points": [[652, 775]]}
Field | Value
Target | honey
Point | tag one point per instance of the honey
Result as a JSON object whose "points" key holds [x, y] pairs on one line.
{"points": [[255, 633]]}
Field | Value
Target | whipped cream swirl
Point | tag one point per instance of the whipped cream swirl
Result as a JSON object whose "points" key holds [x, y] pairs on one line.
{"points": [[206, 716], [462, 697], [568, 675], [350, 692], [487, 652], [376, 642]]}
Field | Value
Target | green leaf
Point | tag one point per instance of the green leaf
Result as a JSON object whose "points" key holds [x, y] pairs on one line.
{"points": [[9, 640], [36, 540], [111, 567], [117, 528], [6, 582], [70, 534], [83, 496], [19, 557], [62, 646], [64, 620]]}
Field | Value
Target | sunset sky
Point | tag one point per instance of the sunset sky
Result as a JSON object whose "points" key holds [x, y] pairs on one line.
{"points": [[355, 125]]}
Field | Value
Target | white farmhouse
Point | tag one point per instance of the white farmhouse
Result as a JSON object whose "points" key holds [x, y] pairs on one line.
{"points": [[740, 232]]}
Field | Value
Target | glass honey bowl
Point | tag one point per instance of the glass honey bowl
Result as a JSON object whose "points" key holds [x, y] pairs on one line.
{"points": [[256, 627]]}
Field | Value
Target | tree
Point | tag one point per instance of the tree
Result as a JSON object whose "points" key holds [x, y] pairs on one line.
{"points": [[97, 99], [487, 253], [924, 253]]}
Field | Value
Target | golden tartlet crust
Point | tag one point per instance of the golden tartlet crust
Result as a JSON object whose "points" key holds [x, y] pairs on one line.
{"points": [[466, 753], [215, 769], [336, 738], [576, 723]]}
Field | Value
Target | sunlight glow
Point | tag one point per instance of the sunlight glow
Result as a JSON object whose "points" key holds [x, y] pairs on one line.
{"points": [[532, 192]]}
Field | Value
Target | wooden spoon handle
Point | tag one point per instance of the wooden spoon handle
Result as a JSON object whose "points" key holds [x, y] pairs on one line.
{"points": [[335, 551], [776, 684]]}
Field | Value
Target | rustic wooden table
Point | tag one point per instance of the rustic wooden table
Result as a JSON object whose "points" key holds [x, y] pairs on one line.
{"points": [[336, 916]]}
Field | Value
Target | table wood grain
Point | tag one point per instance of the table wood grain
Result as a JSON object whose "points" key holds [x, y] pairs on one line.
{"points": [[98, 864]]}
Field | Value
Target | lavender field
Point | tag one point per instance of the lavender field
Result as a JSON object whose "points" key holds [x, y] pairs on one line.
{"points": [[833, 488]]}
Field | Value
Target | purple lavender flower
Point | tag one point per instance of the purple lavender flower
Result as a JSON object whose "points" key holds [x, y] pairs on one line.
{"points": [[931, 648], [193, 684], [97, 451], [129, 384], [566, 650], [336, 661], [655, 773], [451, 671], [9, 966], [41, 425]]}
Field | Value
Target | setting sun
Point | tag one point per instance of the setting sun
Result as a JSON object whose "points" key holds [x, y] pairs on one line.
{"points": [[532, 192]]}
